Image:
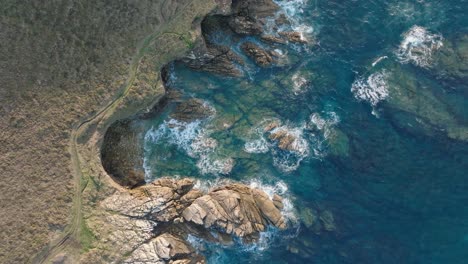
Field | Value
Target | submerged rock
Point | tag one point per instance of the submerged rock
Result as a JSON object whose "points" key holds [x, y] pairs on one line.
{"points": [[259, 55]]}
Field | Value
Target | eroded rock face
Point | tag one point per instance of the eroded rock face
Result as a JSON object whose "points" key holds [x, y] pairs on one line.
{"points": [[259, 55], [173, 208], [121, 154]]}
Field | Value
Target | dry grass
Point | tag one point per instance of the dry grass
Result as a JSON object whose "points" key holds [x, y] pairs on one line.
{"points": [[61, 61]]}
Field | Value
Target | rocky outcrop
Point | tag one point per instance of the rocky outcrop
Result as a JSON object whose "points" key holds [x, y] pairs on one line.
{"points": [[235, 209], [272, 39], [171, 209], [259, 55], [244, 25], [163, 249], [191, 110], [293, 36]]}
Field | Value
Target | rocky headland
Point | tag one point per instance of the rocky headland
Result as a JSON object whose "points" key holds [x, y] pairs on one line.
{"points": [[166, 211]]}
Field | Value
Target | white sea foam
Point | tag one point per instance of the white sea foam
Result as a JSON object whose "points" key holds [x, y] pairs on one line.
{"points": [[280, 188], [293, 10], [418, 46], [257, 146], [300, 83], [193, 139], [373, 89], [286, 159], [379, 59], [207, 164], [322, 125], [289, 159]]}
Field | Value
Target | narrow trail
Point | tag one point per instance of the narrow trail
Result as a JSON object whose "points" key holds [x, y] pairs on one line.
{"points": [[71, 236]]}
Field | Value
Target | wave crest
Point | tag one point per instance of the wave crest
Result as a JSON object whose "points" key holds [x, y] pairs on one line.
{"points": [[418, 46]]}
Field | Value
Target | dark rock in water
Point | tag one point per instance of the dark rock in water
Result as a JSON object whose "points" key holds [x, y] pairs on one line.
{"points": [[244, 25], [260, 56], [293, 36], [451, 62], [282, 20], [121, 154], [272, 39], [191, 110]]}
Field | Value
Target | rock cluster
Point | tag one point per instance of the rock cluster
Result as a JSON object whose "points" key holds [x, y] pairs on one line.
{"points": [[179, 209], [246, 18], [236, 209], [286, 139]]}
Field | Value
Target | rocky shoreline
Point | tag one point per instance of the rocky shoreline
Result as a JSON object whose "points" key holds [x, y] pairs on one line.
{"points": [[175, 208], [168, 210]]}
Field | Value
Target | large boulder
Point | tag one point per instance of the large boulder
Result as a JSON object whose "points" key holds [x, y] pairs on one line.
{"points": [[236, 209]]}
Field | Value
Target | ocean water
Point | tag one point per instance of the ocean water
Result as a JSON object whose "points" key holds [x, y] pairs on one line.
{"points": [[378, 170]]}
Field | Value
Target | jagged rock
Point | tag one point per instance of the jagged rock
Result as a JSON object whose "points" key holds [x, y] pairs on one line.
{"points": [[285, 139], [191, 110], [278, 202], [244, 25], [232, 209], [165, 248], [270, 126], [161, 200], [235, 209], [260, 56], [272, 39], [293, 36]]}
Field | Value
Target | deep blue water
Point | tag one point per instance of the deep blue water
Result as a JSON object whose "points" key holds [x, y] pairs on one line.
{"points": [[397, 188]]}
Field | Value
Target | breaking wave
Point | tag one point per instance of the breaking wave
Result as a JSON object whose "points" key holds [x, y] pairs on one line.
{"points": [[294, 11], [321, 126], [192, 139], [373, 89], [418, 46]]}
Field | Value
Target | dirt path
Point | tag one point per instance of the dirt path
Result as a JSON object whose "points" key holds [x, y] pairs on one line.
{"points": [[70, 240]]}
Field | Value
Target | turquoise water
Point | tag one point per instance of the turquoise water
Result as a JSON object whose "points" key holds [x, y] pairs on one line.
{"points": [[384, 164]]}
